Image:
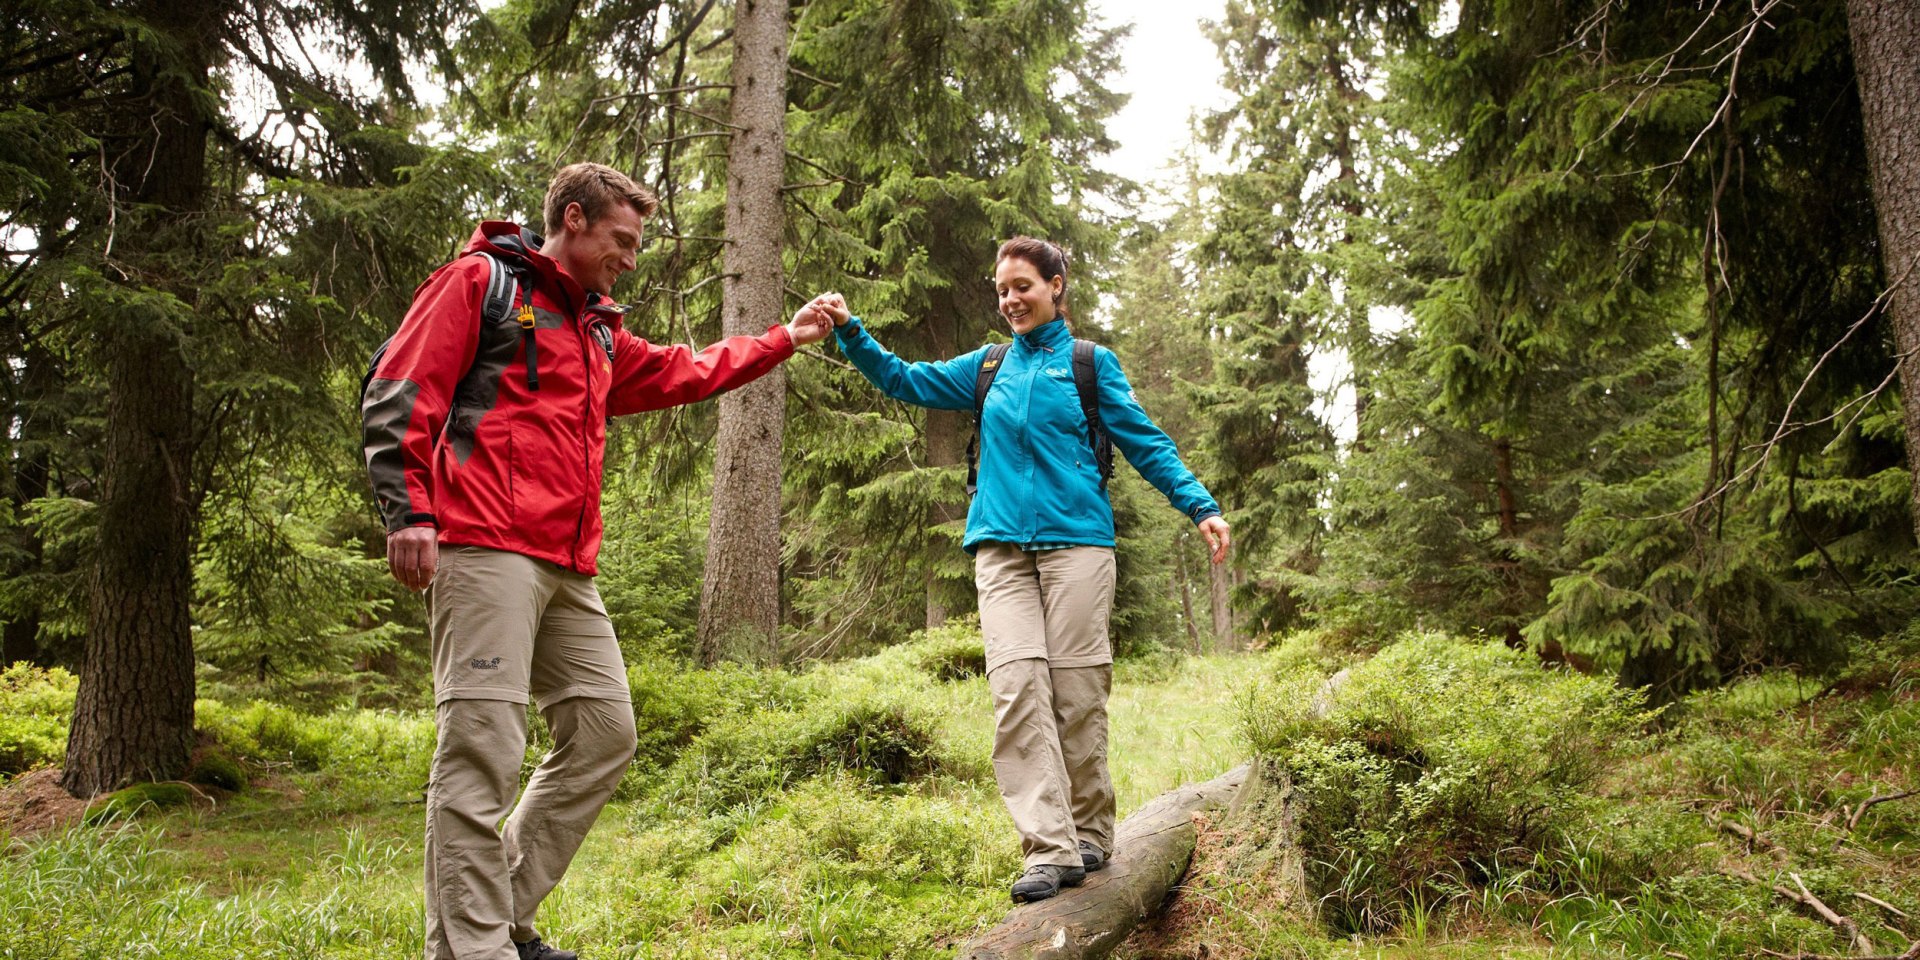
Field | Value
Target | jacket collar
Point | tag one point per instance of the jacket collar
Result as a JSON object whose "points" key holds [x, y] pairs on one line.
{"points": [[1049, 336]]}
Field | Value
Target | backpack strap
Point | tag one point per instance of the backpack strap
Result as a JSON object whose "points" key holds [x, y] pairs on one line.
{"points": [[1086, 383], [505, 285], [982, 382], [507, 289]]}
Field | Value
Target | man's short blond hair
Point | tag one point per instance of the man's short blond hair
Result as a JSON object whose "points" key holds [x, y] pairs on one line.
{"points": [[595, 187]]}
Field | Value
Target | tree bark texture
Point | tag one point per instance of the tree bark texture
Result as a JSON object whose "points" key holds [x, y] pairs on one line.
{"points": [[133, 715], [740, 596], [1151, 851], [1886, 55]]}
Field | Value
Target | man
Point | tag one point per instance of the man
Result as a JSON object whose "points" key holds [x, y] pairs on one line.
{"points": [[485, 432]]}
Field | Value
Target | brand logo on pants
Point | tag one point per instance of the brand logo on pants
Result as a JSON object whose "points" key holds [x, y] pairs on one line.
{"points": [[478, 664]]}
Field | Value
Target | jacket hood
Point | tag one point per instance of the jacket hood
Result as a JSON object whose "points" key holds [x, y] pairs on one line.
{"points": [[503, 238]]}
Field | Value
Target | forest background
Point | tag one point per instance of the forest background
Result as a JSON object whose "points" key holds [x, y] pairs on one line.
{"points": [[1610, 287]]}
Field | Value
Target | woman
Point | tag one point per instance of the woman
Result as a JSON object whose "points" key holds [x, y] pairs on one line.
{"points": [[1041, 532]]}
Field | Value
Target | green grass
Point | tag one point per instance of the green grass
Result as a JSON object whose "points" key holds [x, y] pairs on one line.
{"points": [[850, 812], [810, 850]]}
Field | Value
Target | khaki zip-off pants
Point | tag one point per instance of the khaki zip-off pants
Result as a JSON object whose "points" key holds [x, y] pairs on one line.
{"points": [[1050, 668], [505, 627]]}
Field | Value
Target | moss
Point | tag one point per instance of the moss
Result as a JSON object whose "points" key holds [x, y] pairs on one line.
{"points": [[137, 800], [217, 770]]}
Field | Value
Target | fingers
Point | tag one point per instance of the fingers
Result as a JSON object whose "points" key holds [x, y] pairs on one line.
{"points": [[1219, 537], [412, 556]]}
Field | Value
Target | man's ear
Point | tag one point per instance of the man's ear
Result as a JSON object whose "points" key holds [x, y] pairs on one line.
{"points": [[575, 218]]}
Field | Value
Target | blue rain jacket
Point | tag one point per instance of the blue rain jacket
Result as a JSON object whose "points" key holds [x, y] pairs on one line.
{"points": [[1039, 483]]}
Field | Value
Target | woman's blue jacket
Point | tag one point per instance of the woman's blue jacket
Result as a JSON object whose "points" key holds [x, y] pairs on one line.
{"points": [[1039, 484]]}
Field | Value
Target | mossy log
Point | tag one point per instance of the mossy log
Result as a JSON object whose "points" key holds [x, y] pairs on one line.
{"points": [[1151, 851]]}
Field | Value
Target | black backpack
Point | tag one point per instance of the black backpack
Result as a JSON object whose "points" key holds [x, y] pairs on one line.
{"points": [[1084, 383], [506, 286]]}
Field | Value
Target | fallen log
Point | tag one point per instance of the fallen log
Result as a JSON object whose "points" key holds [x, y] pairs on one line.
{"points": [[1151, 851]]}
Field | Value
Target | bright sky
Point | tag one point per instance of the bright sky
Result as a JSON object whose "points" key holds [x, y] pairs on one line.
{"points": [[1171, 69]]}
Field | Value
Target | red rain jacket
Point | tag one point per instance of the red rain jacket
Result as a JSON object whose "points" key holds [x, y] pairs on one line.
{"points": [[456, 439]]}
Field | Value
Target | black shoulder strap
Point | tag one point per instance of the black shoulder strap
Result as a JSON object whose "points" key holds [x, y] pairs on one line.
{"points": [[503, 288], [982, 382], [1086, 382], [506, 288]]}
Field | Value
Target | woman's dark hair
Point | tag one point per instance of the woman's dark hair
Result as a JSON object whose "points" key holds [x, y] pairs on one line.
{"points": [[1046, 257]]}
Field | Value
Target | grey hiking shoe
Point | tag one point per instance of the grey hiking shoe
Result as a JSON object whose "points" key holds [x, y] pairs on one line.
{"points": [[535, 950], [1044, 880], [1092, 857]]}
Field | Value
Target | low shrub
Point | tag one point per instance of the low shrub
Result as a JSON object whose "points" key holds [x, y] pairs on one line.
{"points": [[953, 652], [1436, 755], [372, 745], [674, 703], [35, 705]]}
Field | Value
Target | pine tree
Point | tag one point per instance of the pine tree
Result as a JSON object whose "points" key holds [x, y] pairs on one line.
{"points": [[157, 277]]}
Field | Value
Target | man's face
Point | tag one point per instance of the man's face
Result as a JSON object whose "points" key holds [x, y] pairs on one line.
{"points": [[603, 249]]}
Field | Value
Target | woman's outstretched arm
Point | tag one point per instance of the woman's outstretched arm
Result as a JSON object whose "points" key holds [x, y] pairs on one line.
{"points": [[941, 385]]}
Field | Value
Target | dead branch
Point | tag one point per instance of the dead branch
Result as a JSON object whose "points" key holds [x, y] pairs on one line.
{"points": [[1911, 953], [1873, 801], [1805, 898], [1752, 837], [1882, 904]]}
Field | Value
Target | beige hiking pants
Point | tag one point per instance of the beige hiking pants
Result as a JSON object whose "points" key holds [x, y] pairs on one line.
{"points": [[504, 627], [1050, 669]]}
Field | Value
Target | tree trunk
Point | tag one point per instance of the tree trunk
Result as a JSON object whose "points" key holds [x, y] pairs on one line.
{"points": [[1219, 595], [947, 433], [41, 377], [1886, 59], [1509, 532], [133, 716], [740, 597], [1184, 586]]}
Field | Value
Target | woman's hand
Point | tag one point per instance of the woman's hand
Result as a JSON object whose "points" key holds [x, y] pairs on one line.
{"points": [[834, 307], [1219, 536]]}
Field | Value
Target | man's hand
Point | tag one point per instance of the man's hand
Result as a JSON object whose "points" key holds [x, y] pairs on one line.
{"points": [[412, 554], [810, 325], [1219, 536], [833, 306]]}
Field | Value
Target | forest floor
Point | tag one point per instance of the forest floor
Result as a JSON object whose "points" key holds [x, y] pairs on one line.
{"points": [[850, 811]]}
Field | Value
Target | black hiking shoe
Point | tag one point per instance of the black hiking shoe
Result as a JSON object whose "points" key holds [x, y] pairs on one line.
{"points": [[1091, 857], [1045, 880], [535, 950]]}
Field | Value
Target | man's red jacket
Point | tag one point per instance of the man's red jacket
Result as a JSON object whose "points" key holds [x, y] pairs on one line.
{"points": [[456, 439]]}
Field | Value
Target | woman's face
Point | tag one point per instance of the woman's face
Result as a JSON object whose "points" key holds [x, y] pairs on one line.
{"points": [[1026, 300]]}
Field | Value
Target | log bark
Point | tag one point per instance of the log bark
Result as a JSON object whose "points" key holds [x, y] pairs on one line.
{"points": [[1151, 851], [740, 593], [1885, 35]]}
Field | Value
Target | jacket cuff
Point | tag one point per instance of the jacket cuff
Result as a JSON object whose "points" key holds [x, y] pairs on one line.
{"points": [[783, 340], [846, 330], [1202, 516], [415, 520]]}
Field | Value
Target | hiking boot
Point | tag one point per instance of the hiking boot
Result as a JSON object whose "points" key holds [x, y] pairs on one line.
{"points": [[1043, 880], [1092, 857], [535, 950]]}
